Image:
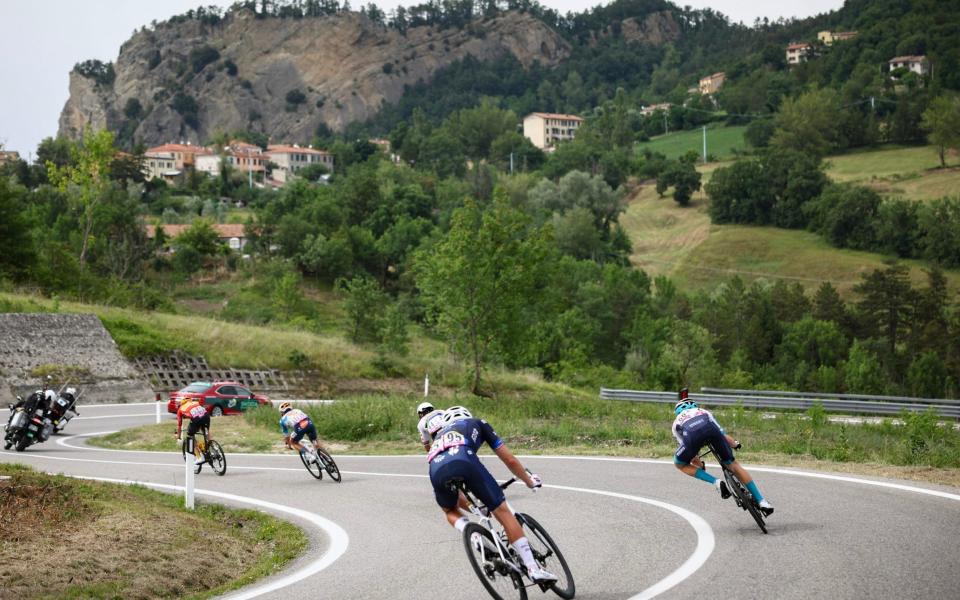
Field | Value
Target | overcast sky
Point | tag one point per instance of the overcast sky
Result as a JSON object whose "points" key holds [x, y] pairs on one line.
{"points": [[41, 40]]}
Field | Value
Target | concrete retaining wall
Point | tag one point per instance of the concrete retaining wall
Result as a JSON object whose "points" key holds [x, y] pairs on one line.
{"points": [[31, 343]]}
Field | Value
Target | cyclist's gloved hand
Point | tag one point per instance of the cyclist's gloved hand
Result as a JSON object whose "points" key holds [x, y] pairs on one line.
{"points": [[737, 445], [536, 480]]}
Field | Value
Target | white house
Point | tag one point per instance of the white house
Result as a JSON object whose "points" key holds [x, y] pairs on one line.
{"points": [[290, 159], [544, 130], [915, 64]]}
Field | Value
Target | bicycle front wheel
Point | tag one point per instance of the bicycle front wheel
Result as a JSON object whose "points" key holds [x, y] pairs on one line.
{"points": [[329, 465], [500, 580], [548, 555], [216, 457], [312, 465]]}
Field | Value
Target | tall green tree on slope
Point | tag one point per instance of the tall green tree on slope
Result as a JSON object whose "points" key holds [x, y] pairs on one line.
{"points": [[480, 280]]}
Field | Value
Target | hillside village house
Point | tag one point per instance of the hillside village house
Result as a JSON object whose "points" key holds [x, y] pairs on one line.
{"points": [[827, 38], [8, 156], [914, 64], [233, 235], [797, 53], [544, 130], [160, 165], [712, 83], [290, 159], [664, 106]]}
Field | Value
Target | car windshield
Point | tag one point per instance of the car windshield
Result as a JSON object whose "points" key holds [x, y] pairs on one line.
{"points": [[196, 387]]}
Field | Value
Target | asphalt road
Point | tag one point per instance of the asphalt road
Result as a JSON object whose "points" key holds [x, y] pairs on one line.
{"points": [[629, 528]]}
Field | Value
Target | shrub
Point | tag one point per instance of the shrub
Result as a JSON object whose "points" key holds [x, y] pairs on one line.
{"points": [[100, 72], [203, 56], [295, 97]]}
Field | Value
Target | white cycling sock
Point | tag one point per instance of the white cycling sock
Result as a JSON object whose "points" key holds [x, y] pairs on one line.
{"points": [[461, 523], [522, 546]]}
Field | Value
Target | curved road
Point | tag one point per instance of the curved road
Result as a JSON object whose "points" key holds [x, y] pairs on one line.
{"points": [[629, 528]]}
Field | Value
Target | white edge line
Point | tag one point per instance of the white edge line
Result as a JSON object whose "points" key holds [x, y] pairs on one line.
{"points": [[339, 540]]}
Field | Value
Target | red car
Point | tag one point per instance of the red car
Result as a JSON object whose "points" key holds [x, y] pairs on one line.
{"points": [[220, 397]]}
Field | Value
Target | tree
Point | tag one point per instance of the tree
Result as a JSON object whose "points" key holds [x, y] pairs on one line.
{"points": [[862, 373], [86, 180], [886, 298], [809, 123], [846, 216], [363, 303], [479, 280], [683, 176], [941, 121], [927, 376], [201, 237], [16, 245]]}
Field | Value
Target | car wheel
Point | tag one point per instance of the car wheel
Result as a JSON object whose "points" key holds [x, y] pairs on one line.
{"points": [[216, 412]]}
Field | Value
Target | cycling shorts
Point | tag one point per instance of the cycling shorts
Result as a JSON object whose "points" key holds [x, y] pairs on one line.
{"points": [[698, 432], [308, 429], [474, 475], [197, 424]]}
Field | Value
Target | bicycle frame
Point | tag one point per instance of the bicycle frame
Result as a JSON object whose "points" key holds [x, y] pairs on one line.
{"points": [[486, 520]]}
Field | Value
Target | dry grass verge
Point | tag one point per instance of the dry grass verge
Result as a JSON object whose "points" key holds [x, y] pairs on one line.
{"points": [[89, 539]]}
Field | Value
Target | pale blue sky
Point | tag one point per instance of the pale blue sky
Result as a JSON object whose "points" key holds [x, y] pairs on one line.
{"points": [[41, 40]]}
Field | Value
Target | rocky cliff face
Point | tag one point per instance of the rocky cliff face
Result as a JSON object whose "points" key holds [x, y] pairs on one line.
{"points": [[344, 67]]}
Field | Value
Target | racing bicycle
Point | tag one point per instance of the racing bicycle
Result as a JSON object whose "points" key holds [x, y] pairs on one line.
{"points": [[210, 450], [496, 562], [317, 461], [741, 494]]}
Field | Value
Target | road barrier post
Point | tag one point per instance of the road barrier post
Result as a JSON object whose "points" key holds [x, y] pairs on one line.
{"points": [[157, 398], [426, 385], [188, 465]]}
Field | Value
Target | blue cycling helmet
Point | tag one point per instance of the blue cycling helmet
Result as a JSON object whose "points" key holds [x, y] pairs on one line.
{"points": [[683, 405]]}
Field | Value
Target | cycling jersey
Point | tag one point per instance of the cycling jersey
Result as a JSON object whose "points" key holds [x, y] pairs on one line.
{"points": [[191, 409], [453, 456], [297, 424], [694, 428], [430, 424]]}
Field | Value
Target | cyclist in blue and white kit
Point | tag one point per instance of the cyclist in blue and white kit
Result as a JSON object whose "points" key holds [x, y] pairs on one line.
{"points": [[694, 428], [295, 425], [431, 422], [453, 455]]}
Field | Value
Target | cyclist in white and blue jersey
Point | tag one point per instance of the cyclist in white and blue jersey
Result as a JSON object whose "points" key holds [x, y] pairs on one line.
{"points": [[453, 456], [296, 424], [695, 428]]}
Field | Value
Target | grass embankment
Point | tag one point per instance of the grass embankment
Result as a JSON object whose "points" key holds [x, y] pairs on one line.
{"points": [[722, 142], [583, 424], [680, 242], [68, 538]]}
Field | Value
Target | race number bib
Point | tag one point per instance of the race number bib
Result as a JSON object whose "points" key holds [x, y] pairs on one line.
{"points": [[197, 411], [451, 439]]}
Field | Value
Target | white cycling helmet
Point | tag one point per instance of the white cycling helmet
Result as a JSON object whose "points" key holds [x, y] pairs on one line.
{"points": [[424, 408], [455, 413]]}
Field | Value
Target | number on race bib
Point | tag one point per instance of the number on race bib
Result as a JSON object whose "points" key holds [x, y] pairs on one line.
{"points": [[450, 439]]}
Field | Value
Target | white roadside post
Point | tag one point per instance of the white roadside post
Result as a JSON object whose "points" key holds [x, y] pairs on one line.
{"points": [[188, 473], [426, 385], [157, 398]]}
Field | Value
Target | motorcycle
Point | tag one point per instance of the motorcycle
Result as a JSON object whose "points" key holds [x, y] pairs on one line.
{"points": [[62, 409], [28, 423]]}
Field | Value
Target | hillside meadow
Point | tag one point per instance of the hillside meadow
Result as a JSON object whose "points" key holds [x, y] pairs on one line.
{"points": [[682, 243]]}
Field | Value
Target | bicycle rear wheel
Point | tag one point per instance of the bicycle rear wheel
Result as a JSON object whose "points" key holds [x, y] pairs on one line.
{"points": [[313, 466], [546, 552], [745, 499], [329, 465], [216, 457], [501, 581]]}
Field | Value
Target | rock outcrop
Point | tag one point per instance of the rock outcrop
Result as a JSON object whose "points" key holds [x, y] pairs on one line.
{"points": [[282, 76]]}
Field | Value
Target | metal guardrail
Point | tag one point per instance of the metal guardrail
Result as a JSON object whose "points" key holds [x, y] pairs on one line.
{"points": [[830, 402], [821, 396]]}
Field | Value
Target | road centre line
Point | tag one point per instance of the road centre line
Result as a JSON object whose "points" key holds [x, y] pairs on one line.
{"points": [[339, 540]]}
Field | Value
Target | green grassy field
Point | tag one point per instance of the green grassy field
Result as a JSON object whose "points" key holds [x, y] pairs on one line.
{"points": [[721, 142], [146, 545], [683, 244], [911, 172]]}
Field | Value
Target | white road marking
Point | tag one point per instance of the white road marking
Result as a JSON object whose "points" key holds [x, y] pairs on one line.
{"points": [[339, 540], [115, 416]]}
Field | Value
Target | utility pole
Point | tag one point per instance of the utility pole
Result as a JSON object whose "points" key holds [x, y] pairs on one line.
{"points": [[666, 129], [511, 163], [704, 144]]}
